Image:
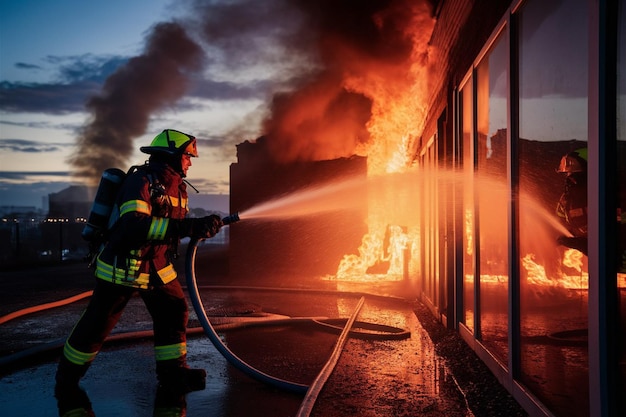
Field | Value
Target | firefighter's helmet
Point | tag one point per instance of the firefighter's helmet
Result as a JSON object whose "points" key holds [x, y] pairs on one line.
{"points": [[173, 143], [575, 161]]}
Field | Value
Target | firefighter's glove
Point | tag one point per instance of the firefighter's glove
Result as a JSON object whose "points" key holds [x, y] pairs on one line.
{"points": [[211, 225], [200, 228]]}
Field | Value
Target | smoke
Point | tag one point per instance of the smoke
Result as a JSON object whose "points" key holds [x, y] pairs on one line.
{"points": [[145, 84], [366, 51], [327, 70]]}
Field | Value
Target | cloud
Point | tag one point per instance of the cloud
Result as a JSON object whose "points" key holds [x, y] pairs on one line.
{"points": [[30, 146], [208, 186], [81, 77], [25, 66], [33, 124], [77, 78], [86, 67], [22, 175], [210, 142], [44, 98]]}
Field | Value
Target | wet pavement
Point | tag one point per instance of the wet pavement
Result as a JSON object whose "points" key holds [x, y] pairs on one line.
{"points": [[377, 375]]}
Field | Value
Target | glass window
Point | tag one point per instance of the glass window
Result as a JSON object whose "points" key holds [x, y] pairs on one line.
{"points": [[491, 185], [621, 198], [553, 63], [468, 204], [432, 278]]}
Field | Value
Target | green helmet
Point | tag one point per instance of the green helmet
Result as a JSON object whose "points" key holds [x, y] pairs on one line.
{"points": [[173, 143], [575, 161]]}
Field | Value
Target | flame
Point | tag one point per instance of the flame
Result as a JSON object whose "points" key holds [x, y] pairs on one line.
{"points": [[355, 266], [536, 274], [469, 233], [399, 97], [573, 259]]}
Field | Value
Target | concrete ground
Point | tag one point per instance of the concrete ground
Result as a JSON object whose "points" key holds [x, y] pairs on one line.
{"points": [[379, 375]]}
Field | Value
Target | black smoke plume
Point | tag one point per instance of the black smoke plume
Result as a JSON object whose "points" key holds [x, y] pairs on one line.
{"points": [[145, 84]]}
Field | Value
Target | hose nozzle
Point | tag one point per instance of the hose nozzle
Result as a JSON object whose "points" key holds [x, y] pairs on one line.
{"points": [[231, 218]]}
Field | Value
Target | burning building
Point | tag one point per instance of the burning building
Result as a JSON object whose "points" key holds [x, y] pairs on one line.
{"points": [[464, 111], [510, 95]]}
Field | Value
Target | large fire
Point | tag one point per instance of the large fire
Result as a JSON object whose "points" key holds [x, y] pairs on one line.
{"points": [[390, 249], [398, 95]]}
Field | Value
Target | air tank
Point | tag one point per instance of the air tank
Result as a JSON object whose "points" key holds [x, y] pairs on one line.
{"points": [[103, 203]]}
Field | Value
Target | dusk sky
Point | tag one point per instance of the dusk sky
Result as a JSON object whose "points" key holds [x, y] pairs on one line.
{"points": [[55, 55], [84, 85]]}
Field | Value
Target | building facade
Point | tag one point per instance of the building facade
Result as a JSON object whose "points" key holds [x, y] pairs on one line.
{"points": [[517, 87]]}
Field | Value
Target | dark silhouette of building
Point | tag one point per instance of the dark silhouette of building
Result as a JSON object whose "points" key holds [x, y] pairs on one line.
{"points": [[288, 246], [73, 202]]}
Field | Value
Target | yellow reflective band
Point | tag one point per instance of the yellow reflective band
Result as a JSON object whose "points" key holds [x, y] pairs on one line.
{"points": [[167, 274], [138, 206], [130, 276], [178, 202], [77, 357], [125, 277], [169, 352], [158, 227]]}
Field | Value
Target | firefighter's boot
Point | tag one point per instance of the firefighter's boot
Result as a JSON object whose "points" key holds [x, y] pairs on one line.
{"points": [[177, 378], [72, 401]]}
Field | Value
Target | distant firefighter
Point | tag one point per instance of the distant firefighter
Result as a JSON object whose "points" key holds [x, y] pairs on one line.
{"points": [[572, 206], [146, 224]]}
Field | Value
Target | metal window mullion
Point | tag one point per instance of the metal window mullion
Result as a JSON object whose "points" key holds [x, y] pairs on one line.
{"points": [[513, 174], [476, 214], [603, 313]]}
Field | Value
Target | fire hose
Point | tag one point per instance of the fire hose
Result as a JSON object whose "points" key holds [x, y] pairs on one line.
{"points": [[194, 295], [233, 359]]}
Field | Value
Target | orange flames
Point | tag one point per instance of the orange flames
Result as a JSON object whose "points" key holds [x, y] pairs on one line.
{"points": [[572, 259], [398, 93], [389, 251]]}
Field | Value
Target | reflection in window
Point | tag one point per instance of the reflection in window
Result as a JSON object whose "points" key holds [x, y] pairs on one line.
{"points": [[468, 205], [492, 191], [552, 202]]}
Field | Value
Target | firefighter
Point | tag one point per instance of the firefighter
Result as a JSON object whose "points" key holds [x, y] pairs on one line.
{"points": [[150, 208], [572, 206]]}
